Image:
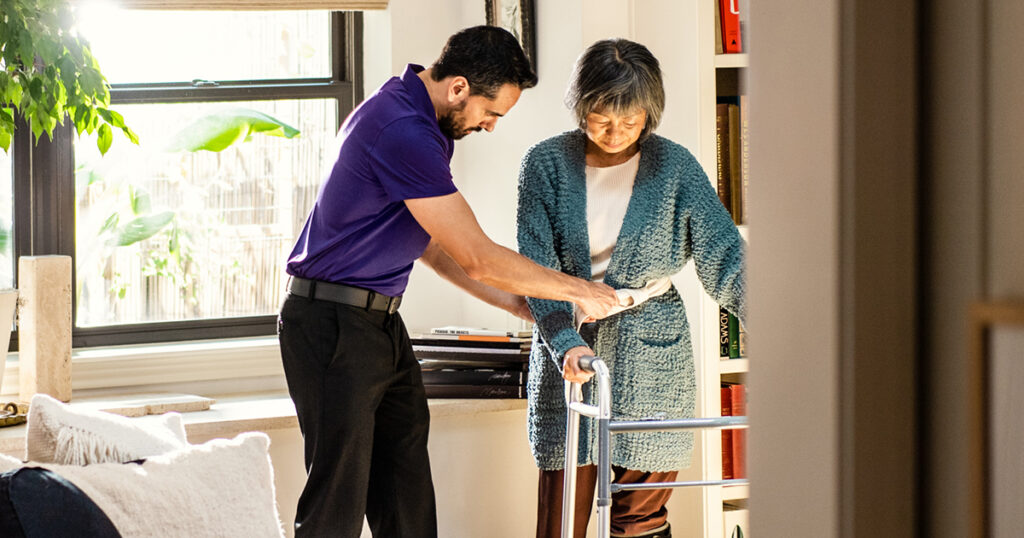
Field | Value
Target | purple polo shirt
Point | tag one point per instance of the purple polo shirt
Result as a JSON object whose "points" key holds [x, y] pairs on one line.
{"points": [[359, 232]]}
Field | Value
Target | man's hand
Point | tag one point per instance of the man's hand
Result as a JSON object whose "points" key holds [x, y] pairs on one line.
{"points": [[520, 308], [597, 300], [571, 364]]}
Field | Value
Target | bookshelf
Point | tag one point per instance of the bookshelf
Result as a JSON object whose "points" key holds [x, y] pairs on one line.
{"points": [[720, 75], [731, 61]]}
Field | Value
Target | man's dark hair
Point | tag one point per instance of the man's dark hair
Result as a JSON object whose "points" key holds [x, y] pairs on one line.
{"points": [[489, 57]]}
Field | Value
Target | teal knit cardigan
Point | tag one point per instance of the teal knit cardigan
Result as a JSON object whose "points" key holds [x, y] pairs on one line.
{"points": [[673, 215]]}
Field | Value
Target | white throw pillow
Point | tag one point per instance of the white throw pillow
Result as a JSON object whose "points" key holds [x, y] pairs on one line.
{"points": [[59, 433], [219, 488]]}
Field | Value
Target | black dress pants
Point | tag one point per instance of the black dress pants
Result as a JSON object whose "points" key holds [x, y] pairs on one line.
{"points": [[361, 406]]}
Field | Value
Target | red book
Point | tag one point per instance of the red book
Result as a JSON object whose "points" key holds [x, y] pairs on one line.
{"points": [[730, 15], [739, 437], [727, 444]]}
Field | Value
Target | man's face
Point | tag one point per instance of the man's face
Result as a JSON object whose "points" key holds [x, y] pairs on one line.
{"points": [[477, 112]]}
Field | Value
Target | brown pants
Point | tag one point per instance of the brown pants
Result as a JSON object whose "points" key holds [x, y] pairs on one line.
{"points": [[633, 512]]}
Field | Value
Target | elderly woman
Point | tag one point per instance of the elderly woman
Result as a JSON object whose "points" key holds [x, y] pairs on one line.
{"points": [[613, 201]]}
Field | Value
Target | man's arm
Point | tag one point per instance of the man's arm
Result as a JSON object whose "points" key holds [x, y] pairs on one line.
{"points": [[452, 224], [443, 264]]}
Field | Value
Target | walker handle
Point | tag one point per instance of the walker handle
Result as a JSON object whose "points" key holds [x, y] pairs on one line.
{"points": [[587, 363]]}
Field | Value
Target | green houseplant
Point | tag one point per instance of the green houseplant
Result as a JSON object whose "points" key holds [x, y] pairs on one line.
{"points": [[48, 73]]}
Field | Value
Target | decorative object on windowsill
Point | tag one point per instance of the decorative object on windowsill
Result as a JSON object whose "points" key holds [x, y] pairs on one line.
{"points": [[12, 414], [44, 326], [49, 73], [8, 305]]}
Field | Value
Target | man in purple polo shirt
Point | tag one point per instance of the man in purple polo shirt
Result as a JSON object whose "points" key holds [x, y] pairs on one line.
{"points": [[388, 201]]}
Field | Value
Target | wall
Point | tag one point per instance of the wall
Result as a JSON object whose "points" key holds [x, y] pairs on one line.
{"points": [[484, 477], [492, 448]]}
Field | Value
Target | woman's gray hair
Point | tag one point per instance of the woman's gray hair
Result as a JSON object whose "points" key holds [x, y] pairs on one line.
{"points": [[619, 75]]}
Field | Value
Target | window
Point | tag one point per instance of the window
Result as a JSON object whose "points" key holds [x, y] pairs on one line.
{"points": [[6, 217], [185, 235]]}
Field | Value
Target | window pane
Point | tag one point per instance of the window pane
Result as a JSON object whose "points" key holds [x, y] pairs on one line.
{"points": [[166, 231], [136, 46], [6, 218]]}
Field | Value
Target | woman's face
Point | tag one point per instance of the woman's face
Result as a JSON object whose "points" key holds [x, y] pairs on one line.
{"points": [[614, 133]]}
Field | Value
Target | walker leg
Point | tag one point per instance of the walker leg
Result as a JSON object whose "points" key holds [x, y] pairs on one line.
{"points": [[572, 443]]}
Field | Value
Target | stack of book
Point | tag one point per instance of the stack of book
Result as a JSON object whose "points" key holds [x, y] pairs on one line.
{"points": [[460, 362], [734, 442]]}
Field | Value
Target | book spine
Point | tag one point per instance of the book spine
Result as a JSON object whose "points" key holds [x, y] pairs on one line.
{"points": [[474, 377], [441, 364], [730, 14], [475, 391], [470, 340], [722, 152], [723, 333], [735, 180], [719, 47], [470, 357], [738, 395], [744, 154], [514, 350], [734, 337], [726, 396]]}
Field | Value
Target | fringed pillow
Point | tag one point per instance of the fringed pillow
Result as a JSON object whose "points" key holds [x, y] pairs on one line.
{"points": [[59, 433], [224, 487]]}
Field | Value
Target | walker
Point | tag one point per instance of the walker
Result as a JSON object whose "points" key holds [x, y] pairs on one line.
{"points": [[605, 427]]}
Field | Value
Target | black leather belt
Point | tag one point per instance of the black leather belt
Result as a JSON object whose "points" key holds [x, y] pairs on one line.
{"points": [[340, 293]]}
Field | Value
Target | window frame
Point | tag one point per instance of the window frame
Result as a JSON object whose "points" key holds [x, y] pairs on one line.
{"points": [[44, 183]]}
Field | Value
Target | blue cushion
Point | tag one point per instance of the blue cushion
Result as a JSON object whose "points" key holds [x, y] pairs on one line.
{"points": [[36, 503]]}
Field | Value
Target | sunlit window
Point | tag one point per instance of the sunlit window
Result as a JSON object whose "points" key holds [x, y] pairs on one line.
{"points": [[185, 235], [169, 46], [196, 221], [6, 220]]}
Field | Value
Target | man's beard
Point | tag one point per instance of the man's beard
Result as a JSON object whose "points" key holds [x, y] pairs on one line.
{"points": [[451, 124]]}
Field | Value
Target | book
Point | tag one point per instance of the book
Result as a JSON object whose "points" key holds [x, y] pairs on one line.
{"points": [[722, 153], [474, 377], [734, 337], [429, 364], [729, 12], [744, 155], [735, 179], [474, 350], [735, 521], [473, 331], [738, 405], [719, 48], [456, 342], [726, 396], [475, 391], [473, 338], [481, 360], [723, 333]]}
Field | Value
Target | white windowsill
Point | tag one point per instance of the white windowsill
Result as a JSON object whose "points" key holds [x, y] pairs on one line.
{"points": [[167, 363], [219, 369], [232, 415]]}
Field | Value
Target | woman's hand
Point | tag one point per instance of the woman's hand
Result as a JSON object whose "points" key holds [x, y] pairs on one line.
{"points": [[571, 364]]}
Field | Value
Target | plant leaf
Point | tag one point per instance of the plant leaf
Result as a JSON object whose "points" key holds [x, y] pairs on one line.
{"points": [[220, 130], [140, 200], [140, 229], [104, 139]]}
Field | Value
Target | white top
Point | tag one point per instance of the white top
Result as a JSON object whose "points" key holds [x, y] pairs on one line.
{"points": [[608, 192]]}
